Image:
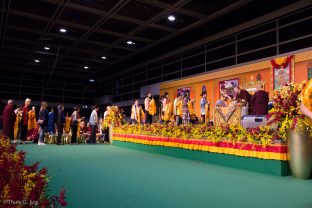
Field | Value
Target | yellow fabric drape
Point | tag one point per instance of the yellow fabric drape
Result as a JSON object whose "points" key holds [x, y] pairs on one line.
{"points": [[32, 123], [67, 124], [152, 107], [16, 126]]}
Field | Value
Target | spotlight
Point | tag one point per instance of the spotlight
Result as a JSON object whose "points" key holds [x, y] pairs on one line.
{"points": [[91, 80], [86, 67], [46, 48], [129, 42], [171, 18], [103, 57], [63, 30], [37, 60]]}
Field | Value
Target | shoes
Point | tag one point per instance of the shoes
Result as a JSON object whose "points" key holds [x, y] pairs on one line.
{"points": [[41, 143], [22, 142]]}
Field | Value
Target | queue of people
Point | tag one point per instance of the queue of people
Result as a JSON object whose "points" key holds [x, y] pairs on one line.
{"points": [[23, 124]]}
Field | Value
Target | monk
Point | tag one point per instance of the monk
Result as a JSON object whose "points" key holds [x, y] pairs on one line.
{"points": [[242, 96], [260, 102], [9, 120], [24, 129]]}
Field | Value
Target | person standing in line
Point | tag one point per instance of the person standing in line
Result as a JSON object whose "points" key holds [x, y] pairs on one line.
{"points": [[9, 120], [178, 108], [134, 112], [148, 116], [18, 123], [175, 105], [185, 110], [60, 122], [104, 127], [74, 124], [51, 122], [32, 132], [25, 111], [203, 103], [43, 122], [94, 121]]}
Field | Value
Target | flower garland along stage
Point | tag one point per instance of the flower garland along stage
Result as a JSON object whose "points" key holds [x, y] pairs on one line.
{"points": [[266, 142]]}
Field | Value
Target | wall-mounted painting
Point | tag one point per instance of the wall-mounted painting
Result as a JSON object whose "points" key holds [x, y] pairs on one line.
{"points": [[281, 71], [227, 86]]}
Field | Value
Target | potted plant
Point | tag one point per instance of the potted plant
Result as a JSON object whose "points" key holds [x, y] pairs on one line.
{"points": [[293, 127]]}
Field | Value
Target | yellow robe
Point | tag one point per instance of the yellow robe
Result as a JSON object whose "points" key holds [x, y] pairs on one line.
{"points": [[67, 124], [152, 107], [32, 123], [179, 108], [168, 112], [191, 110], [16, 126]]}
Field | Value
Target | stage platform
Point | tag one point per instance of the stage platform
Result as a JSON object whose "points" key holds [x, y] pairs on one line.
{"points": [[272, 167]]}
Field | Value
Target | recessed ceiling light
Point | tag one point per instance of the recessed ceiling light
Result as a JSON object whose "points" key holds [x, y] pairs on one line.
{"points": [[171, 18], [63, 30], [37, 60], [86, 67], [46, 48], [103, 57], [91, 80], [129, 42]]}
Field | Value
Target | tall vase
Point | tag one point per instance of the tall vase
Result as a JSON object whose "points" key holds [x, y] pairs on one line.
{"points": [[300, 152], [110, 133]]}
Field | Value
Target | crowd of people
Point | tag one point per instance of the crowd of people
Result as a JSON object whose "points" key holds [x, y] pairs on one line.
{"points": [[22, 123]]}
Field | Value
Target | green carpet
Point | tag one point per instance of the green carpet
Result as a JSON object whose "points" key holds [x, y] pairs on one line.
{"points": [[109, 176]]}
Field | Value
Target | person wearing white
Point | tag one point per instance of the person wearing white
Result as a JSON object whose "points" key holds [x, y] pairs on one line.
{"points": [[94, 121]]}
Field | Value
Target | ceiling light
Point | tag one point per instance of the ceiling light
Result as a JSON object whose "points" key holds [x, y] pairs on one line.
{"points": [[171, 18], [129, 42], [37, 60], [91, 80], [63, 30], [103, 57], [86, 67], [46, 48]]}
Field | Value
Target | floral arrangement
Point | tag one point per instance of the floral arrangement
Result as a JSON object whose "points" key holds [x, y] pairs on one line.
{"points": [[22, 185], [114, 117], [286, 113], [263, 135]]}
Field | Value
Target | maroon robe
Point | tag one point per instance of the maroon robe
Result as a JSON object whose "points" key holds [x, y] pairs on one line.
{"points": [[244, 95], [260, 102], [8, 121]]}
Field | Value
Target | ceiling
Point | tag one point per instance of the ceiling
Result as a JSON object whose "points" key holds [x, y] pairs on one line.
{"points": [[97, 28]]}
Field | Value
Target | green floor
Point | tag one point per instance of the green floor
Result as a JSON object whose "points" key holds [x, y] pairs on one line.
{"points": [[107, 176]]}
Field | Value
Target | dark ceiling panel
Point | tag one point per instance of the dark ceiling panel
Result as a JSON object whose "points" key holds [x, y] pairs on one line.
{"points": [[207, 7], [152, 33], [103, 38], [26, 22], [104, 5], [79, 17], [118, 26], [139, 10], [41, 8]]}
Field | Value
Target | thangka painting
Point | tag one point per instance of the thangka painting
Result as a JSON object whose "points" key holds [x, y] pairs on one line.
{"points": [[281, 71], [228, 86]]}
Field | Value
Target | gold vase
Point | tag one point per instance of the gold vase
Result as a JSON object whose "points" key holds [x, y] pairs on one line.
{"points": [[300, 152]]}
